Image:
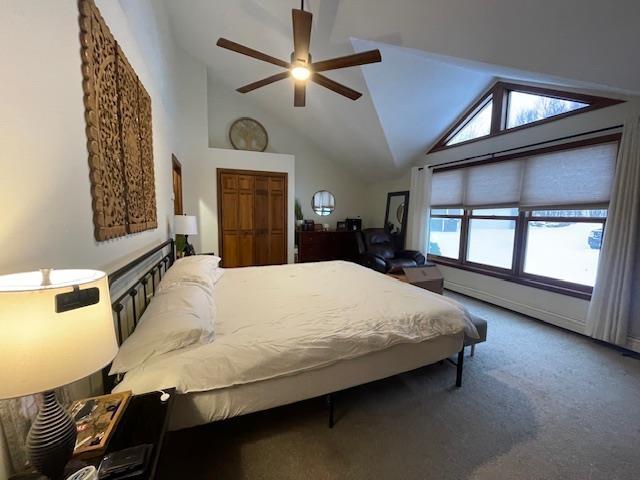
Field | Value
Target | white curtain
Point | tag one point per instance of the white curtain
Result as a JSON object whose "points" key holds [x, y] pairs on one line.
{"points": [[419, 198], [614, 307]]}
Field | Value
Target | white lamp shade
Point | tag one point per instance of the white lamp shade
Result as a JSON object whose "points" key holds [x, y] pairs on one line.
{"points": [[41, 349], [185, 225]]}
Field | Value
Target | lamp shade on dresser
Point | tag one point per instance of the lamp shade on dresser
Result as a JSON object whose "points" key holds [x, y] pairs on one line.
{"points": [[185, 225]]}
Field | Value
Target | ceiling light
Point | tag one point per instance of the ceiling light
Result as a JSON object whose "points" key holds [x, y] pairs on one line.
{"points": [[300, 67], [300, 73]]}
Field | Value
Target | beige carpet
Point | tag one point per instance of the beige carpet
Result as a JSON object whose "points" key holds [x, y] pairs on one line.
{"points": [[537, 403]]}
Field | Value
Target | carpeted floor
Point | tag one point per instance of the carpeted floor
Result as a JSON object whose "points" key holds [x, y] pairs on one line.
{"points": [[537, 402]]}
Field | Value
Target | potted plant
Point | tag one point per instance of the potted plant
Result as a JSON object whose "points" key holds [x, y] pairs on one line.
{"points": [[180, 241], [298, 212]]}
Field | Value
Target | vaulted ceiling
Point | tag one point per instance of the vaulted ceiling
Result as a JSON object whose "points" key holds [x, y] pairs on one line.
{"points": [[438, 56]]}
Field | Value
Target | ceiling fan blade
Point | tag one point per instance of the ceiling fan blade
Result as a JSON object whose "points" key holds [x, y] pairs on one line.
{"points": [[372, 56], [301, 34], [263, 82], [335, 86], [250, 52], [299, 94]]}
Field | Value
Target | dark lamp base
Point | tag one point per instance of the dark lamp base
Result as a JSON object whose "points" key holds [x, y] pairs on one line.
{"points": [[188, 248], [52, 438]]}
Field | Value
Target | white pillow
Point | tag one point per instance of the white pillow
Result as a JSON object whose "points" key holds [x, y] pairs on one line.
{"points": [[177, 317], [217, 274], [199, 269]]}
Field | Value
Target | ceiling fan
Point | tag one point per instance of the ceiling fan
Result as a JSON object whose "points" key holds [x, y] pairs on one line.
{"points": [[301, 68]]}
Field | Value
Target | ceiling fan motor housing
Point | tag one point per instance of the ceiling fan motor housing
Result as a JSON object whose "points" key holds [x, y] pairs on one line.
{"points": [[301, 61]]}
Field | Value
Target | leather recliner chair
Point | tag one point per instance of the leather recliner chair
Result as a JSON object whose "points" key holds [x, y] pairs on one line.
{"points": [[377, 251]]}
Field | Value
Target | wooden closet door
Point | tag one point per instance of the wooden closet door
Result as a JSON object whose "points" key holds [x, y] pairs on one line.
{"points": [[261, 220], [228, 210], [252, 210], [245, 220], [277, 221]]}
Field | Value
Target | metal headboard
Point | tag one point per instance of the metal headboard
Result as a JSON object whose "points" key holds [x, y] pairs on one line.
{"points": [[129, 302]]}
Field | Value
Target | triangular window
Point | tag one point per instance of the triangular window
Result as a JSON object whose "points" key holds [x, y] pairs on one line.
{"points": [[478, 125], [523, 108], [509, 106]]}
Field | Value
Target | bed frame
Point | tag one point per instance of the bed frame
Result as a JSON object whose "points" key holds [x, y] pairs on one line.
{"points": [[130, 302], [128, 307]]}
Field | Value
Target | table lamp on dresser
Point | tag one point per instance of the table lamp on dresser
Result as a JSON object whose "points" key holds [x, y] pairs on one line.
{"points": [[186, 225], [57, 327]]}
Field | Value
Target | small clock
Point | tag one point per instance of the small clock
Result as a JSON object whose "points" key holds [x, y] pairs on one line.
{"points": [[248, 134]]}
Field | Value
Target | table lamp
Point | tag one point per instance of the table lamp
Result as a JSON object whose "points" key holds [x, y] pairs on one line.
{"points": [[186, 225], [57, 327]]}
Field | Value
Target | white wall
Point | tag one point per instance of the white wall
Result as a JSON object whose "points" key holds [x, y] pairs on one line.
{"points": [[199, 162], [44, 190], [315, 170], [201, 177], [45, 201], [555, 308], [377, 198]]}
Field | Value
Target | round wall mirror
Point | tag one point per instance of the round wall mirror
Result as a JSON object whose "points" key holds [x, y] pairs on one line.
{"points": [[323, 203]]}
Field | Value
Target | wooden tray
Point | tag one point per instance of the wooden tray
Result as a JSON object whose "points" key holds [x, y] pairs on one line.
{"points": [[96, 418]]}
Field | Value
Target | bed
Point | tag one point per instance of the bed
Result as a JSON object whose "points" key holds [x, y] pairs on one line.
{"points": [[292, 332]]}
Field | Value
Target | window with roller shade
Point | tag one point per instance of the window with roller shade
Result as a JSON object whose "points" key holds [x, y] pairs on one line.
{"points": [[536, 217]]}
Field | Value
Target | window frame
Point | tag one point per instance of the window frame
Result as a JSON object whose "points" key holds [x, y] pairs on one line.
{"points": [[516, 273], [499, 93], [448, 216], [478, 265], [471, 114], [528, 218]]}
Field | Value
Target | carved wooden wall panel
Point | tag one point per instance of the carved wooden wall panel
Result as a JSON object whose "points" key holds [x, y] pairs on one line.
{"points": [[119, 133], [146, 150], [103, 133], [130, 133]]}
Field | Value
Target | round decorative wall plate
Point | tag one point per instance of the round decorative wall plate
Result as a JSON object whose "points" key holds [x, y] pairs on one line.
{"points": [[248, 134]]}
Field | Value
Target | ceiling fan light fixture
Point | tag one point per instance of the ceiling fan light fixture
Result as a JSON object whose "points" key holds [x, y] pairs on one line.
{"points": [[301, 67], [301, 72]]}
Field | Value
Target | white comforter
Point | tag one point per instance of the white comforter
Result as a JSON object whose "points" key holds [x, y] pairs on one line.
{"points": [[281, 320]]}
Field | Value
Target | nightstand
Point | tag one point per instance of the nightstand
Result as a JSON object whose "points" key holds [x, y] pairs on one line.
{"points": [[145, 420]]}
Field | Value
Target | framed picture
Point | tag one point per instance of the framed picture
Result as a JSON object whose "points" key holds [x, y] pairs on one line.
{"points": [[341, 226]]}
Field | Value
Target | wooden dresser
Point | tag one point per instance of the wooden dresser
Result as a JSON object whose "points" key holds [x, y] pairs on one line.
{"points": [[324, 246]]}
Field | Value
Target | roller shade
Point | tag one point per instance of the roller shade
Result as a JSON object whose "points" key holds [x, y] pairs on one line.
{"points": [[566, 178], [494, 184], [447, 188]]}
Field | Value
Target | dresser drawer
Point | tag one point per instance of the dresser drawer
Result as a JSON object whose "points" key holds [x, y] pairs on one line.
{"points": [[313, 238], [325, 246], [312, 253]]}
